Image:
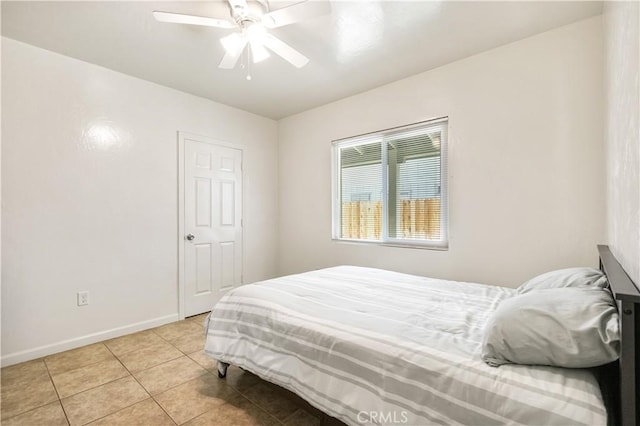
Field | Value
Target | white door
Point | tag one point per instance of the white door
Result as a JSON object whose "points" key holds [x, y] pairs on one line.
{"points": [[212, 223]]}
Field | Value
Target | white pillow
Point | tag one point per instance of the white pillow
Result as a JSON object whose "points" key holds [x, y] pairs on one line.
{"points": [[571, 277], [575, 327]]}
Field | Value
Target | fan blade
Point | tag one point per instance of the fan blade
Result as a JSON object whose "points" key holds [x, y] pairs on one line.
{"points": [[287, 52], [230, 59], [295, 13], [178, 18]]}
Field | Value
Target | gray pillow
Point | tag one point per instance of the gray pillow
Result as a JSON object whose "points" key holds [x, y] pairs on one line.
{"points": [[571, 277], [574, 327]]}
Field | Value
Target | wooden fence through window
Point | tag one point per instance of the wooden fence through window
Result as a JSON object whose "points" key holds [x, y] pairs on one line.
{"points": [[417, 219]]}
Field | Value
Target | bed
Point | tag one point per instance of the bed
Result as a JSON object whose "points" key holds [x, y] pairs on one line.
{"points": [[408, 353]]}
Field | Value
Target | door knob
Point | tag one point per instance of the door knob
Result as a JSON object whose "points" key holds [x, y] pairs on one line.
{"points": [[190, 237]]}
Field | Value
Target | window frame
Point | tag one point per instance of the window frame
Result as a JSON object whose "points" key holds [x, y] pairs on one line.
{"points": [[381, 136]]}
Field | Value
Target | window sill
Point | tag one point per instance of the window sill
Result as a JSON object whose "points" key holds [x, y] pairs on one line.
{"points": [[440, 246]]}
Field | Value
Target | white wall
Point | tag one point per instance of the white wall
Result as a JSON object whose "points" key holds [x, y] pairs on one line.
{"points": [[526, 166], [622, 135], [80, 214]]}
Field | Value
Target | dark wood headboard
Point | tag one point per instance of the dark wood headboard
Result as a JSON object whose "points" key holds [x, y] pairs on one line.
{"points": [[627, 298]]}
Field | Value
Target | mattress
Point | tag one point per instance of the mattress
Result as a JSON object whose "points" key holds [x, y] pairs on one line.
{"points": [[369, 346]]}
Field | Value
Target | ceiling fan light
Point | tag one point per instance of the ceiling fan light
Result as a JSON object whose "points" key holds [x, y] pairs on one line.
{"points": [[256, 33], [232, 43], [258, 52]]}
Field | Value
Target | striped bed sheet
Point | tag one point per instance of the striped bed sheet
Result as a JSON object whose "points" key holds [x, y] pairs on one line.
{"points": [[369, 346]]}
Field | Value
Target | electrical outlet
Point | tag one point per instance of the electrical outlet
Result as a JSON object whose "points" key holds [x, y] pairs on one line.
{"points": [[83, 298]]}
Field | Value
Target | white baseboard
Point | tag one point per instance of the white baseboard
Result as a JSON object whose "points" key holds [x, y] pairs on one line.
{"points": [[65, 345]]}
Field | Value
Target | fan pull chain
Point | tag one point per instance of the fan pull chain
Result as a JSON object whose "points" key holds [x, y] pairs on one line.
{"points": [[248, 62]]}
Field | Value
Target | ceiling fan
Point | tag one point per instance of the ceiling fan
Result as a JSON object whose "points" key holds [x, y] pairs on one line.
{"points": [[254, 29]]}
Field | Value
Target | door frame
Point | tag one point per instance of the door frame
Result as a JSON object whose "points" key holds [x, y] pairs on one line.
{"points": [[182, 138]]}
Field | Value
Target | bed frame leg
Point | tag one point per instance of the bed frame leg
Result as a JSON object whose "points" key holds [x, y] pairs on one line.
{"points": [[222, 369]]}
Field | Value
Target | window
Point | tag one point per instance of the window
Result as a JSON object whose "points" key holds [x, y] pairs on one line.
{"points": [[390, 187]]}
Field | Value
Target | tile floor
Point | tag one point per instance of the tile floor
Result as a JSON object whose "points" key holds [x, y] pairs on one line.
{"points": [[155, 377]]}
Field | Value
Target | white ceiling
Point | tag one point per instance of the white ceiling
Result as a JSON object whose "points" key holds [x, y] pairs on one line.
{"points": [[361, 45]]}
